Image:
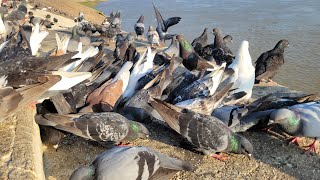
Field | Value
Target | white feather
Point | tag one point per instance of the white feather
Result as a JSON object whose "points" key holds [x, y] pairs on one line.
{"points": [[62, 44], [3, 31], [140, 69], [124, 75], [3, 81], [36, 38], [3, 45], [69, 79], [90, 52], [244, 72]]}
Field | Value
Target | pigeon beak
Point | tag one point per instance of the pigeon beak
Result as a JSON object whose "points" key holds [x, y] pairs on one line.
{"points": [[249, 156]]}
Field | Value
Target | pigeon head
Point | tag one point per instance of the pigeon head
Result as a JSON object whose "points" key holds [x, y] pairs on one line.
{"points": [[288, 120], [84, 173], [216, 31], [48, 16], [185, 45], [151, 28], [241, 145], [282, 44], [131, 37], [227, 39], [137, 130], [246, 146]]}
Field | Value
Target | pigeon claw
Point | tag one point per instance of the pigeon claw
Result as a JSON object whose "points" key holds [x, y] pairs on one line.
{"points": [[121, 144], [312, 147], [219, 157], [294, 140]]}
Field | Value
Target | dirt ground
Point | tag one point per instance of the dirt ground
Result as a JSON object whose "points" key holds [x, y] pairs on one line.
{"points": [[273, 158]]}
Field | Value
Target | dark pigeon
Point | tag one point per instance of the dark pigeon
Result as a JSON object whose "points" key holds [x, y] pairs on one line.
{"points": [[131, 163], [269, 63], [163, 25], [191, 60], [200, 42], [139, 26]]}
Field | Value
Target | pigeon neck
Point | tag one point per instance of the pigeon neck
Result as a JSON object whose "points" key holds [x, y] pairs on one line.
{"points": [[292, 125], [279, 48], [185, 48], [218, 41], [234, 143]]}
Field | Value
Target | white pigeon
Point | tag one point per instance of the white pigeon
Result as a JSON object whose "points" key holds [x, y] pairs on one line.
{"points": [[69, 79], [62, 44], [3, 32], [90, 52], [243, 76], [141, 68], [124, 75], [3, 45], [36, 38]]}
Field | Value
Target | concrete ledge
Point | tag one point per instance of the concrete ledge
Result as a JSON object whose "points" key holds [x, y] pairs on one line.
{"points": [[21, 147]]}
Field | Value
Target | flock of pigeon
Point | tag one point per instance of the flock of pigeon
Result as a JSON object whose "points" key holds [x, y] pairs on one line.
{"points": [[200, 90]]}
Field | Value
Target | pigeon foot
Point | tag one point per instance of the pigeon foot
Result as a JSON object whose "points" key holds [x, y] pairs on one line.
{"points": [[312, 147], [294, 140], [219, 157]]}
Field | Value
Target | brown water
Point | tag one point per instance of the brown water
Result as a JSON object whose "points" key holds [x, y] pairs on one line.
{"points": [[262, 23]]}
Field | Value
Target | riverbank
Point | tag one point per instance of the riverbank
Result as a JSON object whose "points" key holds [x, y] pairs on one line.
{"points": [[71, 8]]}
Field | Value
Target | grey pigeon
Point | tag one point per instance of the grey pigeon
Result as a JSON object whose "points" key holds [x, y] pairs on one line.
{"points": [[139, 26], [163, 25], [173, 49], [208, 133], [269, 63], [302, 120], [244, 117], [227, 39], [116, 21], [102, 127], [130, 163], [200, 42]]}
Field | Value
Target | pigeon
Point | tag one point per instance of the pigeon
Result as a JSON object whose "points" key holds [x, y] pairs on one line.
{"points": [[191, 60], [208, 133], [205, 105], [62, 45], [52, 136], [12, 100], [35, 39], [134, 162], [171, 50], [301, 120], [153, 37], [244, 116], [243, 76], [227, 39], [137, 108], [269, 63], [140, 69], [139, 26], [108, 127], [163, 26], [220, 52], [104, 98], [203, 87], [200, 42], [116, 20]]}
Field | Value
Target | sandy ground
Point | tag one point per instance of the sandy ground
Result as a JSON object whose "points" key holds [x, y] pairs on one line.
{"points": [[71, 8], [273, 158]]}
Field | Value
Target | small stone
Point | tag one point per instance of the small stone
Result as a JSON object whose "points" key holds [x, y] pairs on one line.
{"points": [[289, 165]]}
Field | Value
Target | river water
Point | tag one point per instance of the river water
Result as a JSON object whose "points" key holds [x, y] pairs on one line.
{"points": [[262, 23]]}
